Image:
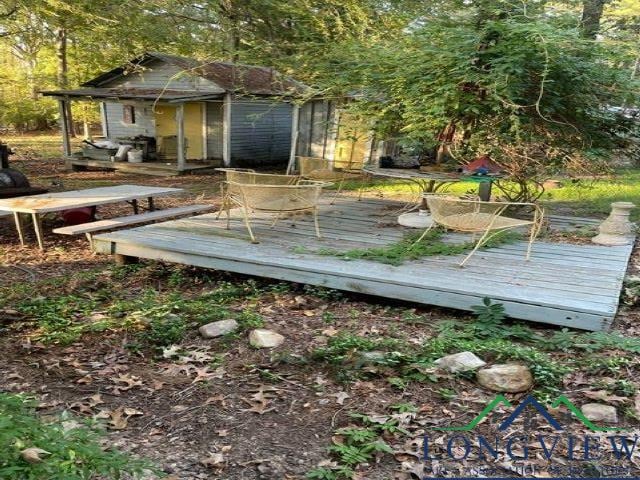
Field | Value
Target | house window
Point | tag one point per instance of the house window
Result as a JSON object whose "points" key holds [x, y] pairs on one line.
{"points": [[129, 114]]}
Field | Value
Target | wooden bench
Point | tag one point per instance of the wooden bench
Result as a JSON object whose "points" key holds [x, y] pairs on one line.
{"points": [[112, 223]]}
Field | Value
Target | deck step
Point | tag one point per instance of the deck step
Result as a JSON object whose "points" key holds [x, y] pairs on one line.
{"points": [[111, 223]]}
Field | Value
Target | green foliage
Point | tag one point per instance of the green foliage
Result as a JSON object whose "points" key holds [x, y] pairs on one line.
{"points": [[57, 317], [489, 318], [73, 453], [345, 346], [249, 319], [408, 248], [354, 445], [158, 318], [163, 329]]}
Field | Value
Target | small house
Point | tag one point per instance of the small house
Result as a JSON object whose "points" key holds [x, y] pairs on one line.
{"points": [[183, 114]]}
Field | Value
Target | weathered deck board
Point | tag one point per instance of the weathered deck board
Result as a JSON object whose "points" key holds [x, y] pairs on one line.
{"points": [[563, 284]]}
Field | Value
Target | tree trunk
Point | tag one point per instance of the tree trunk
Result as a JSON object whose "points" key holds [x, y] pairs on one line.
{"points": [[591, 16], [63, 72]]}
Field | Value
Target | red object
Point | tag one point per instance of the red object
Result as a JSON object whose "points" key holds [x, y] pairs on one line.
{"points": [[483, 162], [76, 216]]}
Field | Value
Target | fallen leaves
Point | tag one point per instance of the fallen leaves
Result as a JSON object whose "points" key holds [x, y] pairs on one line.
{"points": [[261, 400], [118, 419], [124, 382], [33, 455], [87, 405], [604, 396]]}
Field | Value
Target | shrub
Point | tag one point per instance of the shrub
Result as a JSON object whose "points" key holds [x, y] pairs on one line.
{"points": [[69, 454]]}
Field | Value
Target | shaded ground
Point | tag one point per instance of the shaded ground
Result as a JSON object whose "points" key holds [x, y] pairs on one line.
{"points": [[121, 345]]}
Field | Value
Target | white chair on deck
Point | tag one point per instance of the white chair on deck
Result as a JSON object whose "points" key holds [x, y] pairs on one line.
{"points": [[479, 217]]}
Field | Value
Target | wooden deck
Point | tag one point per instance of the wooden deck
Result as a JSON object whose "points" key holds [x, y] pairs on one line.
{"points": [[563, 284]]}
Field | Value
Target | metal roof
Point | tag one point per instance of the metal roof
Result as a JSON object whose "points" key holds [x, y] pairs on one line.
{"points": [[232, 77], [133, 93]]}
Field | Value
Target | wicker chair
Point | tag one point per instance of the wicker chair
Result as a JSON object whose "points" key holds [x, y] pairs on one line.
{"points": [[321, 169], [279, 199], [249, 177], [478, 217]]}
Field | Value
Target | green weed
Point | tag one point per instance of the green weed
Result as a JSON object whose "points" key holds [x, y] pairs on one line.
{"points": [[75, 453]]}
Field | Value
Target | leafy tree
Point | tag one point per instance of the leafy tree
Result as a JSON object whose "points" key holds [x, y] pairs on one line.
{"points": [[518, 82]]}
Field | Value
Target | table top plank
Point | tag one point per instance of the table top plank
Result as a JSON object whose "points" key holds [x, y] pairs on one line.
{"points": [[55, 202]]}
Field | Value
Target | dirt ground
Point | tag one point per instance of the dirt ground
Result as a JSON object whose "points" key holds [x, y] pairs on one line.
{"points": [[219, 409]]}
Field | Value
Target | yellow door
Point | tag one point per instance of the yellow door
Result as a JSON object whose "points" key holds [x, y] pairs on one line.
{"points": [[193, 130], [166, 132], [351, 143], [166, 126], [165, 116]]}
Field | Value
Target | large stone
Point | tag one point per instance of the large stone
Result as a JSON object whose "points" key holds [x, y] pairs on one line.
{"points": [[460, 362], [597, 412], [510, 378], [262, 338], [219, 328], [370, 358]]}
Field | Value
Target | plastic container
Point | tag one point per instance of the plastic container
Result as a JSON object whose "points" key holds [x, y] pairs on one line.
{"points": [[134, 156]]}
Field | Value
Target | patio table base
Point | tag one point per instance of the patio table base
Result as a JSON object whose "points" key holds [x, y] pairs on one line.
{"points": [[419, 219]]}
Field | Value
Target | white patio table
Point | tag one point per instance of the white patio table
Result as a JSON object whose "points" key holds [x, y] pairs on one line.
{"points": [[38, 205]]}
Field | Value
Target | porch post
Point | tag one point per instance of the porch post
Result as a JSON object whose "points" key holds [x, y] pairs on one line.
{"points": [[180, 132], [64, 127], [226, 130], [295, 115]]}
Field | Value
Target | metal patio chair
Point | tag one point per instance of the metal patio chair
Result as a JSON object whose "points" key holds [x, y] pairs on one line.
{"points": [[480, 217], [249, 177], [281, 199], [321, 169]]}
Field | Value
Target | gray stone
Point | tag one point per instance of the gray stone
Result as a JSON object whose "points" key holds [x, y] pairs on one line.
{"points": [[460, 362], [370, 358], [219, 328], [510, 378], [597, 412], [263, 338]]}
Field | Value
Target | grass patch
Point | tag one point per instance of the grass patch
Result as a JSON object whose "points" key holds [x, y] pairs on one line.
{"points": [[65, 453], [584, 197], [158, 316], [407, 248]]}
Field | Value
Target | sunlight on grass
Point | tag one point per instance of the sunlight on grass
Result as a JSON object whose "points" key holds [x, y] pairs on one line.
{"points": [[590, 198], [44, 146], [593, 198]]}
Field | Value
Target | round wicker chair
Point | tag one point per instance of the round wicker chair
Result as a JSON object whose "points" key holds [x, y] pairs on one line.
{"points": [[321, 169], [247, 176], [278, 199], [479, 217]]}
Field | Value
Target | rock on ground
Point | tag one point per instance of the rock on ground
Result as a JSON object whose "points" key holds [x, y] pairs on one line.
{"points": [[597, 412], [460, 362], [219, 328], [263, 338], [510, 378]]}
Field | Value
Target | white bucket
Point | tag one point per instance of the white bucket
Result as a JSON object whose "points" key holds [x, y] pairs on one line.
{"points": [[134, 156]]}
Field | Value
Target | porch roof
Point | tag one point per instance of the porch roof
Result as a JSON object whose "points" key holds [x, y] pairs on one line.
{"points": [[151, 94]]}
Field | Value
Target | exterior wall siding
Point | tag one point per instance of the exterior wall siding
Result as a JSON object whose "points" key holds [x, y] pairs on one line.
{"points": [[116, 127], [316, 129], [260, 132], [161, 75], [214, 130]]}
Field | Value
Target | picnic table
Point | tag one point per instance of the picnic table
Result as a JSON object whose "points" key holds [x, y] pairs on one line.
{"points": [[38, 205]]}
